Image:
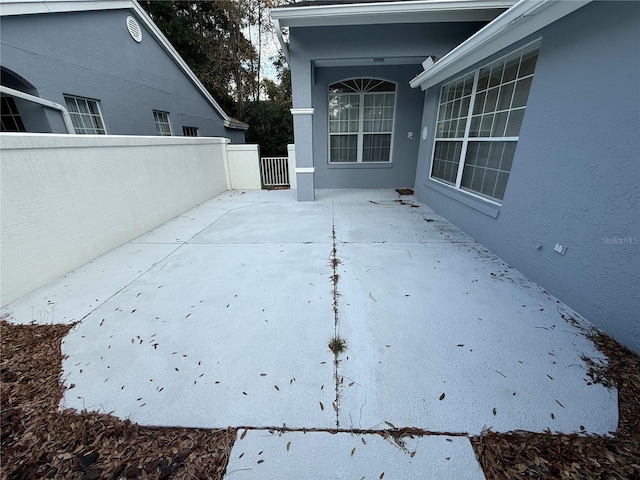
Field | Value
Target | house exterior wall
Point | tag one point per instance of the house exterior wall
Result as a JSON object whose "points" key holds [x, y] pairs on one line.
{"points": [[312, 49], [576, 173], [400, 172], [91, 54]]}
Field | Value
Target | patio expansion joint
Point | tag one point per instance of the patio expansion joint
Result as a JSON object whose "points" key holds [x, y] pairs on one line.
{"points": [[153, 265], [337, 344], [396, 432]]}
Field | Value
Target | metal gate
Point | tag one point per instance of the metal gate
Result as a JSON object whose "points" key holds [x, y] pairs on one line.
{"points": [[274, 172]]}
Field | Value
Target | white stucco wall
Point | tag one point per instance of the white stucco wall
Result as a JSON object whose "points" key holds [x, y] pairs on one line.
{"points": [[66, 199], [244, 167], [291, 150]]}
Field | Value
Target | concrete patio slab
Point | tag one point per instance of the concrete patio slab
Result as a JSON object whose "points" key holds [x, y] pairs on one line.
{"points": [[392, 221], [184, 227], [73, 296], [264, 223], [221, 317], [320, 455], [460, 344], [238, 339]]}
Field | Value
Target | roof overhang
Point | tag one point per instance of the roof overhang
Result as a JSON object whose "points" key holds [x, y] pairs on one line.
{"points": [[390, 12], [523, 19], [418, 11], [31, 7]]}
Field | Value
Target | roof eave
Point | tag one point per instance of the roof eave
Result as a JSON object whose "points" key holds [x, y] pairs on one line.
{"points": [[390, 12], [520, 21]]}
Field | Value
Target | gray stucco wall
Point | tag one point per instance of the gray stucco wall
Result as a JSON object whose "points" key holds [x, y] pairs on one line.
{"points": [[400, 172], [313, 49], [91, 54], [576, 174]]}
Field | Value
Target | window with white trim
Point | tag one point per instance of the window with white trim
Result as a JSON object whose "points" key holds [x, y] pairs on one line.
{"points": [[11, 121], [189, 131], [163, 125], [361, 116], [478, 125], [85, 115]]}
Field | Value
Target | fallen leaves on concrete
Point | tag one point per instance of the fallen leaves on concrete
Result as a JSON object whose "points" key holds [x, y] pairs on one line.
{"points": [[545, 455], [39, 441]]}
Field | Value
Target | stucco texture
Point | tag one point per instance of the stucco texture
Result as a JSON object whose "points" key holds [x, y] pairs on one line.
{"points": [[92, 55], [324, 55], [576, 171]]}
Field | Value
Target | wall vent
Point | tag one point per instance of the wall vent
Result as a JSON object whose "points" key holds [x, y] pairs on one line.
{"points": [[134, 29]]}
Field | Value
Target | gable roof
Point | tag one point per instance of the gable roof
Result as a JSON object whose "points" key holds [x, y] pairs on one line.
{"points": [[29, 7], [520, 21]]}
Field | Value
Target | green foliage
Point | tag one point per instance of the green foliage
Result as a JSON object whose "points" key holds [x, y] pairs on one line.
{"points": [[270, 126], [208, 35], [270, 121]]}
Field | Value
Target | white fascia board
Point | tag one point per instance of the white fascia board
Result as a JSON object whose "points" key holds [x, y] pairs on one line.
{"points": [[523, 19], [26, 7], [390, 12], [283, 44]]}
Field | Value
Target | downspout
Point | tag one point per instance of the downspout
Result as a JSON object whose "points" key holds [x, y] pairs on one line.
{"points": [[45, 103]]}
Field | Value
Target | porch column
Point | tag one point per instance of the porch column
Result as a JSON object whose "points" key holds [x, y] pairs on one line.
{"points": [[302, 126]]}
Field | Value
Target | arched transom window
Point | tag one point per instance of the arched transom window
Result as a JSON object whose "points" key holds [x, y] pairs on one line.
{"points": [[361, 115]]}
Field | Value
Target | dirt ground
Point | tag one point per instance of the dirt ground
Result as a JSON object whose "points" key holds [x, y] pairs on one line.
{"points": [[39, 441]]}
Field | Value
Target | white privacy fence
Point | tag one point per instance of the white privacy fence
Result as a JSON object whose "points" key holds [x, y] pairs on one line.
{"points": [[274, 171], [67, 199]]}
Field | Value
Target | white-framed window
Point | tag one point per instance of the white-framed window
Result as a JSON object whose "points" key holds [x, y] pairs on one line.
{"points": [[190, 131], [361, 119], [11, 121], [163, 125], [478, 126], [85, 115]]}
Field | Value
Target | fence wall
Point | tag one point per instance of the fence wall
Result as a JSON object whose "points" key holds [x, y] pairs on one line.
{"points": [[244, 167], [67, 199]]}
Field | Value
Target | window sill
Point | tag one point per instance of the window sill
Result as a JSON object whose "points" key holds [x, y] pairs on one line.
{"points": [[360, 165], [483, 206]]}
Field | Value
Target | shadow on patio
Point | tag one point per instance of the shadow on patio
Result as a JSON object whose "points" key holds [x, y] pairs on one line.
{"points": [[222, 317]]}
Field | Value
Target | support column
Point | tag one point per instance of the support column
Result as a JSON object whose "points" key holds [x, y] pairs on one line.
{"points": [[303, 131]]}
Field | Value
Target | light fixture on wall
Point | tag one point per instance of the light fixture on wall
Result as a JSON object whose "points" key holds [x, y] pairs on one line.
{"points": [[378, 60]]}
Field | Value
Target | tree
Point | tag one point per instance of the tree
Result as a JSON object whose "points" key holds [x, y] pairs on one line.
{"points": [[270, 121], [208, 35]]}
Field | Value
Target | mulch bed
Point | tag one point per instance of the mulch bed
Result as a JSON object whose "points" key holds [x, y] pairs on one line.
{"points": [[39, 441]]}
